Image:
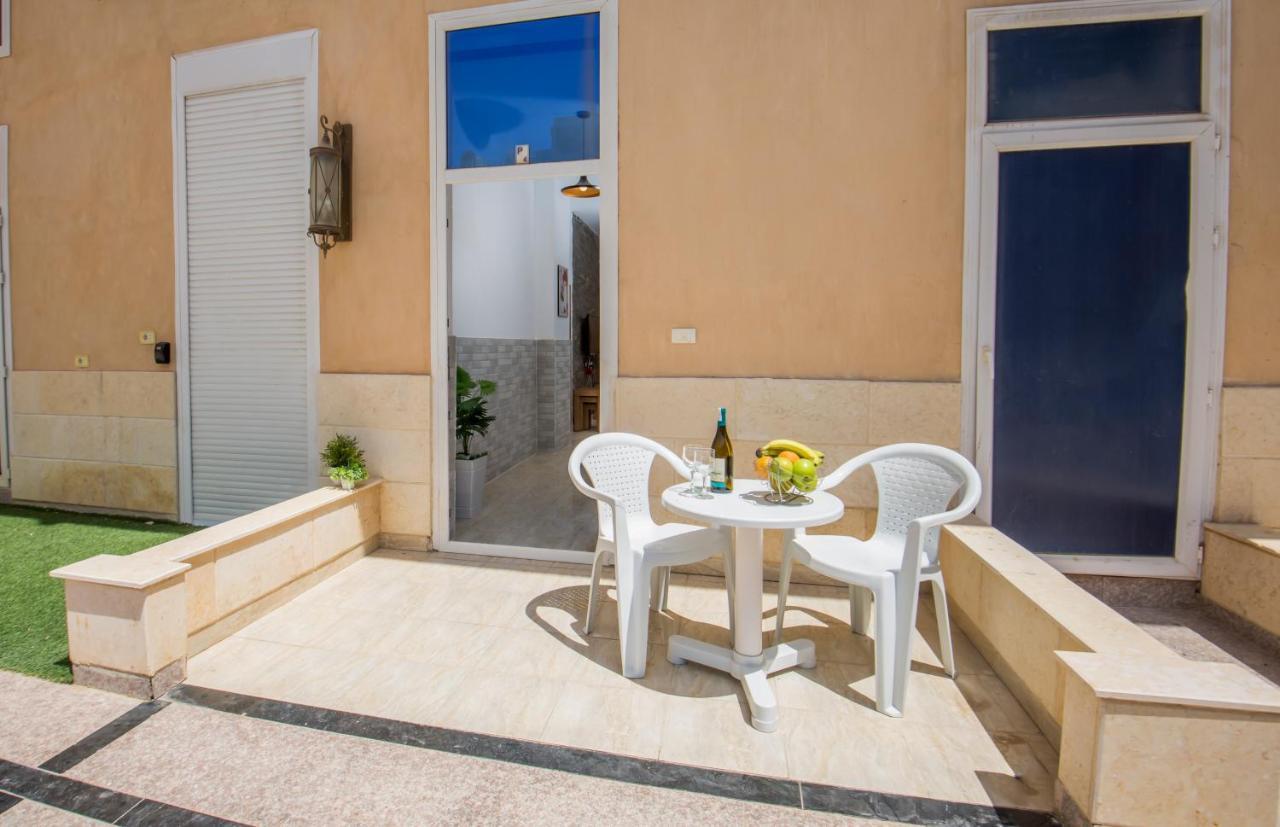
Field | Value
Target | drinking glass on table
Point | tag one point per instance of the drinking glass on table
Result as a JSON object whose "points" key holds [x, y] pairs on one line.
{"points": [[698, 458]]}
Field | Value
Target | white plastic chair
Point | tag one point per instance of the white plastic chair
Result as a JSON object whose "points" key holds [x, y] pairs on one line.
{"points": [[618, 465], [916, 483]]}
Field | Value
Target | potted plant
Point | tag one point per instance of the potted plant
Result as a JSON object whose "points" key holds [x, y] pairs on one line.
{"points": [[472, 419], [345, 460]]}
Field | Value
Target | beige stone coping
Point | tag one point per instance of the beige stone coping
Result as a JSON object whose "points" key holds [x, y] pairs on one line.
{"points": [[153, 565], [1094, 624], [1176, 682], [217, 536], [1260, 537], [129, 572]]}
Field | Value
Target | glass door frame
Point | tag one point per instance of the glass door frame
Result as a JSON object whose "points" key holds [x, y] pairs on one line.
{"points": [[603, 170], [1207, 134]]}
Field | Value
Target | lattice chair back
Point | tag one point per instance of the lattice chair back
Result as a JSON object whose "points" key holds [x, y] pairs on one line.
{"points": [[618, 464], [912, 485], [621, 471]]}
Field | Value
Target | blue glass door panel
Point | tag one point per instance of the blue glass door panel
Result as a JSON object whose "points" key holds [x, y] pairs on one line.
{"points": [[1090, 347], [1129, 67], [523, 83]]}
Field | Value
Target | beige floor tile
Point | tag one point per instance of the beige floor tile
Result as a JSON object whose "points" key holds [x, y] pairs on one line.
{"points": [[52, 716], [498, 646], [499, 704], [618, 720], [716, 732]]}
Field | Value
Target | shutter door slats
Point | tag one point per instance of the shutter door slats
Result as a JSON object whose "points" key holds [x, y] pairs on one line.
{"points": [[247, 306]]}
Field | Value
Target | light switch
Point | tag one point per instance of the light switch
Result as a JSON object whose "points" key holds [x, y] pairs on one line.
{"points": [[146, 337], [82, 360], [684, 335]]}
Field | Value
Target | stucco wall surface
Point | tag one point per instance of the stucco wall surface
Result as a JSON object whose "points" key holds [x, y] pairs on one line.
{"points": [[791, 182]]}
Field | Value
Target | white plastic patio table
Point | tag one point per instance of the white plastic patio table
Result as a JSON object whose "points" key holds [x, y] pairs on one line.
{"points": [[749, 661]]}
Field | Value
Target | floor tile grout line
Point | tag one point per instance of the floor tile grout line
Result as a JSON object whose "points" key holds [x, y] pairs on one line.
{"points": [[102, 736], [613, 767]]}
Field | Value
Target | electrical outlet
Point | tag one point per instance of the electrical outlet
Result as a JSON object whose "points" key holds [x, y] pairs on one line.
{"points": [[146, 337], [82, 360], [684, 335]]}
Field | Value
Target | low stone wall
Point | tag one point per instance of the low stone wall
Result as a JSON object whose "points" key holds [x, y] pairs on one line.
{"points": [[132, 621], [1241, 572], [1144, 735]]}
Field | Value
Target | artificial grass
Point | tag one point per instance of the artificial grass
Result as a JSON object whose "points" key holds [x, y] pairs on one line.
{"points": [[34, 542]]}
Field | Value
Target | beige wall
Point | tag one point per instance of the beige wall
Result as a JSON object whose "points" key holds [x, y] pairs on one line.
{"points": [[802, 160]]}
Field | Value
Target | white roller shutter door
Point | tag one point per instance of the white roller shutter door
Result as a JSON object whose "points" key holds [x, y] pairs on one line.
{"points": [[247, 300]]}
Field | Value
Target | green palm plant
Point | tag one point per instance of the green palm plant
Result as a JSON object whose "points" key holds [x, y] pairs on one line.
{"points": [[472, 413]]}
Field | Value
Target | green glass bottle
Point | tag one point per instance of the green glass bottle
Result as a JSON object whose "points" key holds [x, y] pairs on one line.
{"points": [[722, 456]]}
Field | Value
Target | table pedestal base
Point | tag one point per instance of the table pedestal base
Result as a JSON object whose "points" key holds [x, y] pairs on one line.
{"points": [[754, 672]]}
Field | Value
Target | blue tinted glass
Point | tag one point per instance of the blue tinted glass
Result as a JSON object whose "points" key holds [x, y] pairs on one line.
{"points": [[524, 83], [1135, 67], [1091, 335]]}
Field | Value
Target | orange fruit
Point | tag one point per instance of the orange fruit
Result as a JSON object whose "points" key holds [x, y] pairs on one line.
{"points": [[790, 456], [762, 466]]}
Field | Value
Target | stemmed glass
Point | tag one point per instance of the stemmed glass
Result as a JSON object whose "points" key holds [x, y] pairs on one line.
{"points": [[698, 458]]}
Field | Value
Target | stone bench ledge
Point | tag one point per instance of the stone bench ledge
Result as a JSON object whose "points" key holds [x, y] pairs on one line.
{"points": [[127, 572]]}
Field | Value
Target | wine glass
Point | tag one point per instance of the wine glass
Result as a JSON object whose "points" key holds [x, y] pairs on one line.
{"points": [[698, 458]]}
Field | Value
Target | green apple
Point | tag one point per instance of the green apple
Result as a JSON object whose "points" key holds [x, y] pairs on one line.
{"points": [[781, 468], [804, 468]]}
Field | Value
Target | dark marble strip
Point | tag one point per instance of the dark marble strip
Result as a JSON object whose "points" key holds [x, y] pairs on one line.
{"points": [[780, 791], [92, 801], [906, 809], [102, 736], [8, 801]]}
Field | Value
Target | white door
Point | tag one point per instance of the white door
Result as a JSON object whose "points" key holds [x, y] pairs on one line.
{"points": [[246, 295]]}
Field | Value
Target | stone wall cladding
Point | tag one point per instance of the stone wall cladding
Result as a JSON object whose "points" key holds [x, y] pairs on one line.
{"points": [[390, 413], [513, 364], [99, 439], [555, 393]]}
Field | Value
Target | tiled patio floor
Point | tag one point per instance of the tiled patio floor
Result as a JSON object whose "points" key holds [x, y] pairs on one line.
{"points": [[495, 646]]}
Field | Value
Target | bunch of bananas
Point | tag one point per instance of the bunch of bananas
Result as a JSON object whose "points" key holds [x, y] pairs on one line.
{"points": [[778, 446], [789, 465]]}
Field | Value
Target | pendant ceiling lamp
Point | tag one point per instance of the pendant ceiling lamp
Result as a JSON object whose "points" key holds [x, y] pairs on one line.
{"points": [[583, 188]]}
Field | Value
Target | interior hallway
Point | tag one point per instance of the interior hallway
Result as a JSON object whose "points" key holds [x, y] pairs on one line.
{"points": [[535, 504]]}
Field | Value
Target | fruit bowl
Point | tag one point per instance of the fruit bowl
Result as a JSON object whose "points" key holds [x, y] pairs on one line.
{"points": [[790, 467]]}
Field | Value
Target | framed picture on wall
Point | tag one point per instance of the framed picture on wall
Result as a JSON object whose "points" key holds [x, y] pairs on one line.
{"points": [[562, 291]]}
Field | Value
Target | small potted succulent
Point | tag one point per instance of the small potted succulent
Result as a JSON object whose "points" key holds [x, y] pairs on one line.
{"points": [[472, 419], [344, 458]]}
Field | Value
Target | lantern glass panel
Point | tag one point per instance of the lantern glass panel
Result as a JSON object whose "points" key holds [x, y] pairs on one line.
{"points": [[326, 189]]}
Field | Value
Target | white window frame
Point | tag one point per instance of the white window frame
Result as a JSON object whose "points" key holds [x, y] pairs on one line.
{"points": [[290, 56], [6, 20], [6, 317], [1208, 134], [604, 170]]}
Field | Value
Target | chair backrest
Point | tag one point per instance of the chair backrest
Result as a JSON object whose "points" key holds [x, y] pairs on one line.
{"points": [[915, 481], [618, 464]]}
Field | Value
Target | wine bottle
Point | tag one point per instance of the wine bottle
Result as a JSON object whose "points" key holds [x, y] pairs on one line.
{"points": [[722, 457]]}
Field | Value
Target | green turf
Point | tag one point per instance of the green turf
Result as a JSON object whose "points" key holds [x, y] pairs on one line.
{"points": [[35, 541]]}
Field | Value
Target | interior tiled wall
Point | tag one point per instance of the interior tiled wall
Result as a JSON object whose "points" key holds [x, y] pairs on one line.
{"points": [[1249, 463], [391, 416], [842, 418], [513, 365], [102, 439]]}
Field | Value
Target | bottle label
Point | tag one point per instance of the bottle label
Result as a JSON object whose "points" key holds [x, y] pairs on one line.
{"points": [[718, 475]]}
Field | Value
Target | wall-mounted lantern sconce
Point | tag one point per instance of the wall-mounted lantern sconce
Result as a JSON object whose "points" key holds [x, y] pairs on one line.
{"points": [[331, 186]]}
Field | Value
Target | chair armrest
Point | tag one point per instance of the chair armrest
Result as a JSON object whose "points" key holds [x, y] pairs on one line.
{"points": [[621, 537], [846, 468]]}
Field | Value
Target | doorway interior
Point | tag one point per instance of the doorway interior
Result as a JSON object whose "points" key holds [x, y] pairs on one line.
{"points": [[523, 274]]}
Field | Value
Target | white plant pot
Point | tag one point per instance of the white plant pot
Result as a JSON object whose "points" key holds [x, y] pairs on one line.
{"points": [[468, 491], [347, 485]]}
